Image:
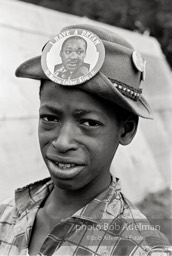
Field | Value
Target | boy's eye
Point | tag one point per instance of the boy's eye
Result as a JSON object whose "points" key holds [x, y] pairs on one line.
{"points": [[90, 123], [49, 118]]}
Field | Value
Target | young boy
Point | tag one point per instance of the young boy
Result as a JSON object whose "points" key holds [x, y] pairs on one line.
{"points": [[80, 210]]}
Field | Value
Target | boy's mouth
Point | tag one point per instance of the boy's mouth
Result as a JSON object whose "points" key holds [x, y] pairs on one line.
{"points": [[65, 165], [64, 170]]}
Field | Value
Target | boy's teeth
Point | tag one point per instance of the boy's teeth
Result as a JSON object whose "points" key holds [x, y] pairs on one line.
{"points": [[64, 166]]}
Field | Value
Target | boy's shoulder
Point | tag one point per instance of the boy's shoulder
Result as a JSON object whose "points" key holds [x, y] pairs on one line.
{"points": [[6, 207], [133, 226], [13, 206], [8, 215]]}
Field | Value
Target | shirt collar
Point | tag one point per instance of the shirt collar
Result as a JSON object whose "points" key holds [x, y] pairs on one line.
{"points": [[32, 194], [107, 202]]}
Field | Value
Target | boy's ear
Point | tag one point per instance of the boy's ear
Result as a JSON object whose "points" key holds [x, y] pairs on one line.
{"points": [[128, 130]]}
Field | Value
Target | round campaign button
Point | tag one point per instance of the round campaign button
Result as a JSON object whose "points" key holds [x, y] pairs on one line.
{"points": [[73, 57], [138, 60]]}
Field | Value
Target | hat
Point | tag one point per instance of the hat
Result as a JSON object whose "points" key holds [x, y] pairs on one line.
{"points": [[112, 69]]}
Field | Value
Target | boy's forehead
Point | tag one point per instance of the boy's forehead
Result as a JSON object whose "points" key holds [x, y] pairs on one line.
{"points": [[73, 96]]}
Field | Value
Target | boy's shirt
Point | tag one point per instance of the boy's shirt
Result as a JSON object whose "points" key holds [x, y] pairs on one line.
{"points": [[108, 225]]}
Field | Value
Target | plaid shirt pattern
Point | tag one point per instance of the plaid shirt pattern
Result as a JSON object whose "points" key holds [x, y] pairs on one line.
{"points": [[108, 225]]}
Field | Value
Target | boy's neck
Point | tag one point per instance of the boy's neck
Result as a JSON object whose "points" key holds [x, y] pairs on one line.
{"points": [[66, 201]]}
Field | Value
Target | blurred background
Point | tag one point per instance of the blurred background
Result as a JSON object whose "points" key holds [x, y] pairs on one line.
{"points": [[145, 166]]}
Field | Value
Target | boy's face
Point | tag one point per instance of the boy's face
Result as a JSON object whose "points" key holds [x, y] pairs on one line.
{"points": [[78, 137], [73, 54]]}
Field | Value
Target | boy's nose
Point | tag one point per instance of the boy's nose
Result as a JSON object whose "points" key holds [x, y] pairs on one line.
{"points": [[65, 139]]}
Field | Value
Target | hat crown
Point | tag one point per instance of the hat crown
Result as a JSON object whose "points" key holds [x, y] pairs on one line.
{"points": [[118, 64], [118, 77], [103, 34]]}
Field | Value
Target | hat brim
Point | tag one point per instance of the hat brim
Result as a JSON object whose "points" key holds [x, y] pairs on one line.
{"points": [[103, 87]]}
